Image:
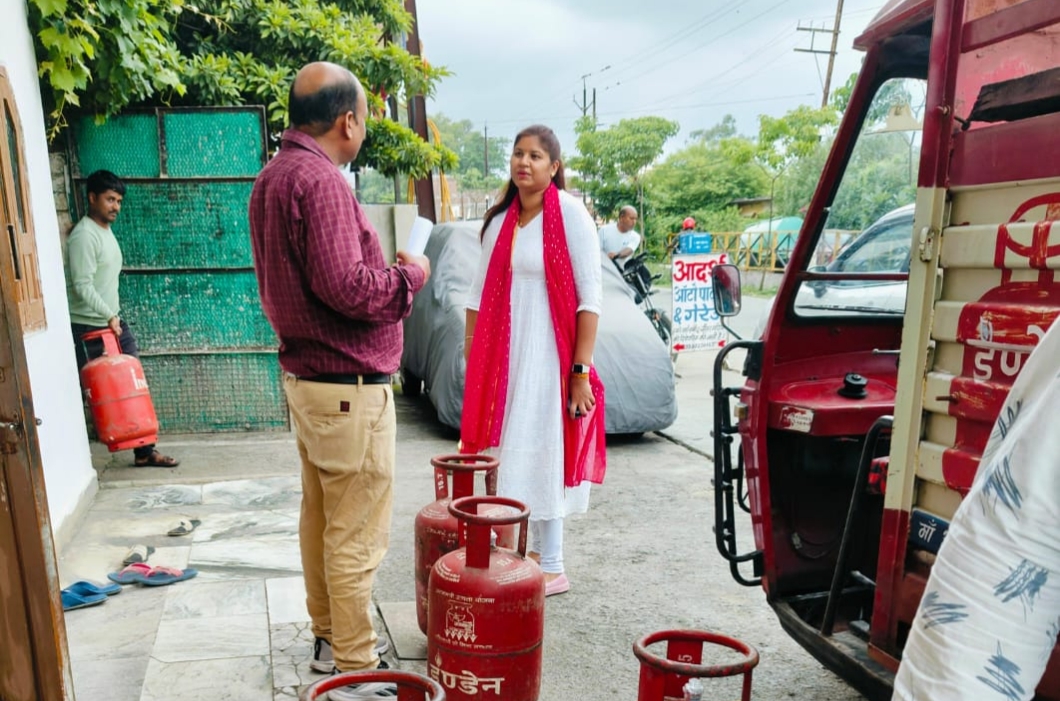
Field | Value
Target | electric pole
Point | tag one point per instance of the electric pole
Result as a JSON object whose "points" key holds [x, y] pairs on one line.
{"points": [[834, 31], [584, 104], [831, 54], [417, 111], [486, 150]]}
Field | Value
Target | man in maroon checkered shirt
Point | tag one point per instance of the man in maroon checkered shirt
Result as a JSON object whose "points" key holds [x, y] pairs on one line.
{"points": [[336, 308]]}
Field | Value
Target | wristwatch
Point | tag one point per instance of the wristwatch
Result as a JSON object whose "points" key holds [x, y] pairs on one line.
{"points": [[579, 369]]}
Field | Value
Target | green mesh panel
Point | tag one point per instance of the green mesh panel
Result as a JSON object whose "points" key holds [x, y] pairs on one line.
{"points": [[126, 145], [185, 225], [189, 289], [201, 393], [213, 144], [195, 311]]}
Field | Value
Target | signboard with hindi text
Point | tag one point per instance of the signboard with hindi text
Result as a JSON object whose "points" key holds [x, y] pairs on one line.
{"points": [[696, 325]]}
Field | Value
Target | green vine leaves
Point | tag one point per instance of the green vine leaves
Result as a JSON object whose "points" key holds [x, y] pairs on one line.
{"points": [[102, 56]]}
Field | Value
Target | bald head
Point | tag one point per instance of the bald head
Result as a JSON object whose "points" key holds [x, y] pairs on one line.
{"points": [[320, 94]]}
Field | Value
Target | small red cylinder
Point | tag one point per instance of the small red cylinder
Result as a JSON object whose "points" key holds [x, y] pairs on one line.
{"points": [[436, 530], [486, 619], [662, 679], [117, 393]]}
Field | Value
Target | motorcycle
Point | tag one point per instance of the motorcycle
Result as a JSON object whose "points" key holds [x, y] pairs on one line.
{"points": [[637, 275]]}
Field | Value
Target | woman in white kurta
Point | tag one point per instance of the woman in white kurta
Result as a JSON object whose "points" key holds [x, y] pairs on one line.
{"points": [[531, 446]]}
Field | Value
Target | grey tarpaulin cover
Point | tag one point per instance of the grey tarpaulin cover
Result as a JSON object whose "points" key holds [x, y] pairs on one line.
{"points": [[633, 363]]}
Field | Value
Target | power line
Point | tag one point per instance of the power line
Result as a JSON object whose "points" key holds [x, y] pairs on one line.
{"points": [[852, 13], [655, 109], [712, 39], [730, 70], [653, 50], [671, 40]]}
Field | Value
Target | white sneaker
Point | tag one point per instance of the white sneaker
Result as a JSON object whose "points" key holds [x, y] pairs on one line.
{"points": [[324, 660], [365, 691]]}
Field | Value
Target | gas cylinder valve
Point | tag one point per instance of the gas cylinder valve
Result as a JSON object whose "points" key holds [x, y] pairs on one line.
{"points": [[854, 386]]}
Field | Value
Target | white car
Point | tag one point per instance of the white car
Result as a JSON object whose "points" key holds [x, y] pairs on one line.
{"points": [[881, 248]]}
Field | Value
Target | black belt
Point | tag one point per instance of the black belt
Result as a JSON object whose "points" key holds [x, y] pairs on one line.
{"points": [[375, 378]]}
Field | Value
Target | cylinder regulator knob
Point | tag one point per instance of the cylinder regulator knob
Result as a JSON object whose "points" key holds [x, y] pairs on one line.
{"points": [[854, 386]]}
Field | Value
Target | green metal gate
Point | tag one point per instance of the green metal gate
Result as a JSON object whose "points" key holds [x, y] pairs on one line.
{"points": [[188, 288]]}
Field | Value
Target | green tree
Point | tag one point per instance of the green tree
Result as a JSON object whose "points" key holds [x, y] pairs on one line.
{"points": [[891, 94], [784, 140], [470, 145], [102, 56], [879, 175], [375, 188], [795, 189], [705, 177], [614, 159], [878, 179], [725, 129]]}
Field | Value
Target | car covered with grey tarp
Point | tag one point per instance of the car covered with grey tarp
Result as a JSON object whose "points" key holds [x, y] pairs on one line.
{"points": [[633, 363]]}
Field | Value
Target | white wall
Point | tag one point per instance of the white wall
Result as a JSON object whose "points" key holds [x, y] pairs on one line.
{"points": [[68, 472]]}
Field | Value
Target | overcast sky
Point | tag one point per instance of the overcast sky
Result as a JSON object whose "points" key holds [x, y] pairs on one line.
{"points": [[517, 62]]}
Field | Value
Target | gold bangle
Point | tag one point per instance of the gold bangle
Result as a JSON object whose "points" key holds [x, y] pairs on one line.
{"points": [[580, 375]]}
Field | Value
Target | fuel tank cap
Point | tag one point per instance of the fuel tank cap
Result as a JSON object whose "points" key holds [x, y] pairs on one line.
{"points": [[854, 386]]}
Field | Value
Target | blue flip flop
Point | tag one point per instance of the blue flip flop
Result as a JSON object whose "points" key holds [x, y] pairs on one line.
{"points": [[87, 588], [73, 600]]}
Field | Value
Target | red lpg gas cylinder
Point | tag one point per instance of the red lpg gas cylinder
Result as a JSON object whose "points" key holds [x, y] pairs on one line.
{"points": [[664, 678], [117, 394], [410, 687], [436, 529], [486, 617]]}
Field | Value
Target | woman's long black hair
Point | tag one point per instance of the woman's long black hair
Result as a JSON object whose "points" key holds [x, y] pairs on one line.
{"points": [[548, 139]]}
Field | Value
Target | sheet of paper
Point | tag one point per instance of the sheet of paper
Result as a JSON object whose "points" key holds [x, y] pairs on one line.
{"points": [[421, 231]]}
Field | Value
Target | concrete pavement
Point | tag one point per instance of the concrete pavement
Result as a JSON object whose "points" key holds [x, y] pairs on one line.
{"points": [[641, 560]]}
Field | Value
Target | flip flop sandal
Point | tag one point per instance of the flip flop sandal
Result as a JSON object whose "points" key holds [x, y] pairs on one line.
{"points": [[156, 459], [137, 553], [161, 576], [132, 574], [185, 527], [73, 600], [86, 588]]}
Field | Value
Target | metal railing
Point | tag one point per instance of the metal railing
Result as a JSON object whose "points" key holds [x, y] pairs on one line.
{"points": [[770, 251]]}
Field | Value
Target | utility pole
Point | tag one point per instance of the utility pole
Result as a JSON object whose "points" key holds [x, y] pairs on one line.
{"points": [[831, 55], [584, 105], [417, 110], [834, 31], [486, 150]]}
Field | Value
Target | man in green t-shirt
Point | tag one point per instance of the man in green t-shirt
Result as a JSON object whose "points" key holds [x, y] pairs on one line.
{"points": [[93, 265]]}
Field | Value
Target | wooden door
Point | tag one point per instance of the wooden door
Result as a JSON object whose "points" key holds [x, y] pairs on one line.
{"points": [[33, 656]]}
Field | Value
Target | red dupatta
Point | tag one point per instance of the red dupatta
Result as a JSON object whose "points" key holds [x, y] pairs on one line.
{"points": [[486, 379]]}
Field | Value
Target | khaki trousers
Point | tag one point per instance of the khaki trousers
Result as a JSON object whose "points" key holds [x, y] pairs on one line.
{"points": [[346, 438]]}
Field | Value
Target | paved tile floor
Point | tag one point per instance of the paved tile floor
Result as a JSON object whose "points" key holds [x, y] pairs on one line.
{"points": [[239, 630], [642, 560]]}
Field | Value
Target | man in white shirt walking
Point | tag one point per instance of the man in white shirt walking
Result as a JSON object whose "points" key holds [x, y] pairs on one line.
{"points": [[620, 240]]}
